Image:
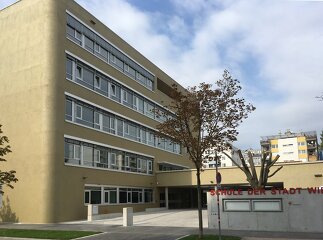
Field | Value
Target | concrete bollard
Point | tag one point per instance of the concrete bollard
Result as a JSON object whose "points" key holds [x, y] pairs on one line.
{"points": [[127, 216], [91, 210]]}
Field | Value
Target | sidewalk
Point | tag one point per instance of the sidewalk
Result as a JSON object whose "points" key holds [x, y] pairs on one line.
{"points": [[163, 225]]}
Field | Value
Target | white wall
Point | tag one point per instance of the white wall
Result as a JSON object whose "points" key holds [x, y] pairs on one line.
{"points": [[288, 149], [300, 213]]}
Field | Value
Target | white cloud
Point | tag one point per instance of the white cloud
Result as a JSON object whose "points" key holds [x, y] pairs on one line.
{"points": [[273, 47]]}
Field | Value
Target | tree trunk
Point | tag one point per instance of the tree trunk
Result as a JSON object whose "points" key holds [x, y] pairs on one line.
{"points": [[199, 204]]}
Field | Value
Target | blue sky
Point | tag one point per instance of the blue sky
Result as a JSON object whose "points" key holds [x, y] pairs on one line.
{"points": [[275, 49]]}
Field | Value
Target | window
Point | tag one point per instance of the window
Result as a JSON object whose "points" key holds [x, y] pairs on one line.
{"points": [[89, 44], [92, 195], [93, 79], [150, 84], [150, 166], [112, 125], [110, 195], [301, 151], [79, 72], [97, 120], [112, 58], [140, 105], [149, 109], [87, 156], [74, 35], [117, 60], [96, 156], [97, 47], [92, 155], [78, 111], [84, 115], [123, 196], [288, 145], [120, 127], [88, 77], [236, 205], [68, 110], [270, 205], [78, 35], [97, 82], [69, 69], [148, 193], [113, 159], [126, 161], [113, 90], [126, 67], [72, 153], [139, 161], [151, 139]]}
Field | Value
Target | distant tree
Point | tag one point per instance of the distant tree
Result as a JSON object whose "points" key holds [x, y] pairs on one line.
{"points": [[6, 178], [206, 118], [321, 138], [266, 163], [320, 98]]}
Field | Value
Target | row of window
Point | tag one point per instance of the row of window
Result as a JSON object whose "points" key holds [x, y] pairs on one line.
{"points": [[88, 77], [117, 195], [87, 115], [288, 145], [85, 154], [86, 38]]}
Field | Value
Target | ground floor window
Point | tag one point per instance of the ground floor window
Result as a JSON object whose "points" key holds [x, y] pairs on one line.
{"points": [[117, 195], [92, 195]]}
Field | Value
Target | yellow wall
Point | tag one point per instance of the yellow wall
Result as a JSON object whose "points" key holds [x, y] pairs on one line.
{"points": [[32, 98], [292, 175]]}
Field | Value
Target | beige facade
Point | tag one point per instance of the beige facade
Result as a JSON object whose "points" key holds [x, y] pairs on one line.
{"points": [[33, 93], [74, 142], [292, 175]]}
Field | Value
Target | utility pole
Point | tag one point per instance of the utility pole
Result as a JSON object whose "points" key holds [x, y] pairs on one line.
{"points": [[218, 185]]}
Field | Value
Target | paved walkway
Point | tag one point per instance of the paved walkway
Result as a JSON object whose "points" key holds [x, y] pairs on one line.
{"points": [[163, 225]]}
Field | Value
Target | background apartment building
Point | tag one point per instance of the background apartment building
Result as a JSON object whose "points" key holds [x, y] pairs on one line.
{"points": [[77, 105], [291, 146]]}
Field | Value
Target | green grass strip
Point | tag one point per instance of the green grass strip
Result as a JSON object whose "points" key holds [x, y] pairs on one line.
{"points": [[210, 237], [44, 234]]}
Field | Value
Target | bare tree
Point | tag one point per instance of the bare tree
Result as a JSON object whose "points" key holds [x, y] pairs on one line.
{"points": [[266, 163], [206, 117], [6, 177], [320, 98]]}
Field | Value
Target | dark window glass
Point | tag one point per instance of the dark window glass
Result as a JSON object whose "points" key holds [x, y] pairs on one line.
{"points": [[68, 110], [89, 44], [106, 197], [86, 197], [148, 195], [113, 196], [95, 197], [69, 69], [122, 196], [135, 197], [88, 77]]}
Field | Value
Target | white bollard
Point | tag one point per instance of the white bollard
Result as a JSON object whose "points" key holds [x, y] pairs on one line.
{"points": [[127, 216], [92, 210], [89, 212]]}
